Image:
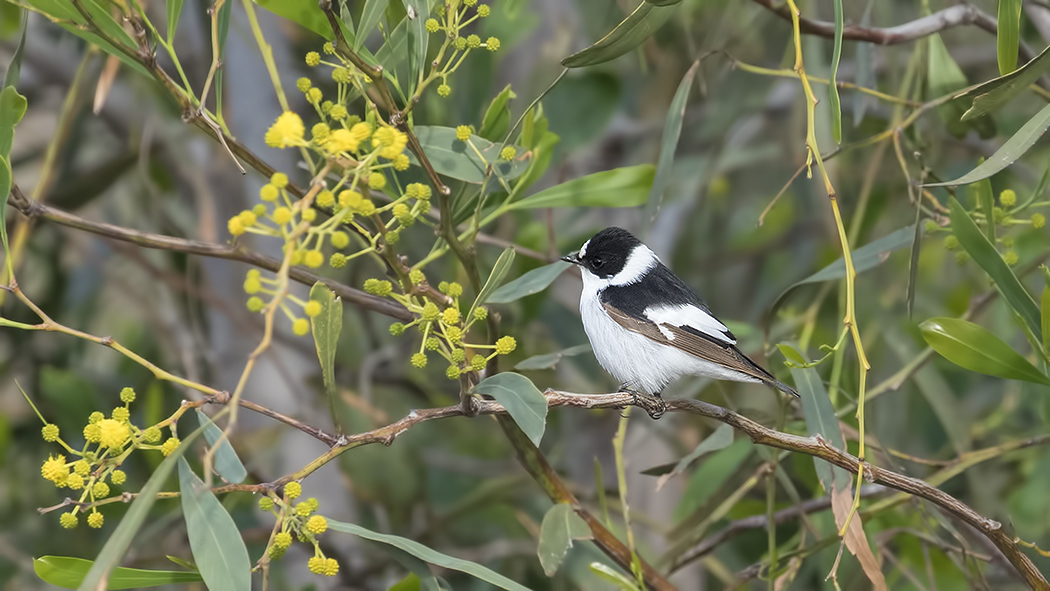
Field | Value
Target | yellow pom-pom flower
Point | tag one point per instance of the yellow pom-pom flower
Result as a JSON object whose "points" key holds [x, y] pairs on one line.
{"points": [[313, 259], [287, 131], [314, 95], [320, 132], [328, 48], [279, 180], [49, 432], [292, 490], [81, 467], [401, 162], [462, 133], [430, 312], [92, 433], [282, 215], [301, 327], [331, 567], [151, 435], [492, 44], [68, 520], [391, 142], [444, 90], [508, 153], [303, 84], [113, 433], [268, 192], [169, 446], [338, 112], [312, 308], [453, 372], [432, 344], [316, 524], [313, 58], [460, 43], [397, 329], [505, 345], [95, 520], [266, 504], [341, 140], [75, 481], [361, 131], [54, 469], [366, 208], [235, 226], [95, 417], [337, 260], [454, 290], [100, 490], [484, 10], [432, 25], [121, 414], [127, 395], [450, 316], [419, 360], [340, 239], [282, 540], [1038, 220], [1010, 257], [351, 199], [325, 198], [481, 312], [118, 477], [376, 180], [255, 304], [316, 565], [1008, 198], [473, 41], [454, 334], [477, 363]]}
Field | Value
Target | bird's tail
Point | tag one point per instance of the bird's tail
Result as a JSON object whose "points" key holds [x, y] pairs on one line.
{"points": [[786, 389]]}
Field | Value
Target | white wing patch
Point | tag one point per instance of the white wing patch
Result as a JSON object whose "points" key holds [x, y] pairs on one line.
{"points": [[690, 317]]}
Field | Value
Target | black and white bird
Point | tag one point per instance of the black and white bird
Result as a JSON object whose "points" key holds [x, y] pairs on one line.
{"points": [[646, 326]]}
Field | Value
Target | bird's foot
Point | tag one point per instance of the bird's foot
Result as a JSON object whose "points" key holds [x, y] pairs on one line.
{"points": [[653, 404]]}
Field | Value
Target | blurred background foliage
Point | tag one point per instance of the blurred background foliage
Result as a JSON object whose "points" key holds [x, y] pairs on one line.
{"points": [[455, 485]]}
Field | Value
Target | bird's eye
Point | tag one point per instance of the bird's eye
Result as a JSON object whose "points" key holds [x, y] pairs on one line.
{"points": [[597, 262]]}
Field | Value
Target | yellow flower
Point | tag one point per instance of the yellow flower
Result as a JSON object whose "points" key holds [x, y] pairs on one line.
{"points": [[450, 316], [313, 259], [316, 565], [301, 327], [1038, 220], [462, 133], [49, 432], [337, 260], [419, 360], [100, 490], [338, 112], [391, 142], [492, 44], [320, 131], [287, 131], [366, 208], [432, 25], [312, 308], [1008, 198], [340, 239], [376, 180], [54, 469], [81, 467], [113, 434], [505, 345], [75, 481], [247, 218], [453, 372], [279, 180], [293, 489], [169, 446], [92, 433], [313, 58], [401, 162], [341, 140], [350, 199], [325, 198], [95, 519], [118, 477], [484, 10], [331, 567], [235, 226], [68, 520], [508, 153], [268, 192], [282, 215], [444, 90], [316, 524]]}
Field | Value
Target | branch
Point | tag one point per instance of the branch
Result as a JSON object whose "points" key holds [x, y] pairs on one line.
{"points": [[812, 446], [960, 14], [209, 249]]}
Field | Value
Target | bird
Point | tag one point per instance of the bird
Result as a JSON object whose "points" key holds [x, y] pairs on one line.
{"points": [[647, 327]]}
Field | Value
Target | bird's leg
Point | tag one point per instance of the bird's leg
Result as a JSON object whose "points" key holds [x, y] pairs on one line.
{"points": [[661, 406]]}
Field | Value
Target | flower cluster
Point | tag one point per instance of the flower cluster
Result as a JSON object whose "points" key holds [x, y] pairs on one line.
{"points": [[301, 520], [451, 19], [91, 470], [444, 330], [1008, 213]]}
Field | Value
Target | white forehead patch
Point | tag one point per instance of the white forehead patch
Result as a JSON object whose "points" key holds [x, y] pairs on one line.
{"points": [[638, 264], [583, 249]]}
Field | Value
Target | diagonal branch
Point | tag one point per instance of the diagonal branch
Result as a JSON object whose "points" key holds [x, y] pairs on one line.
{"points": [[209, 249]]}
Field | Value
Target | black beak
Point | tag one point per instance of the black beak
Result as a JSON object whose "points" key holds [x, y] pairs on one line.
{"points": [[572, 257]]}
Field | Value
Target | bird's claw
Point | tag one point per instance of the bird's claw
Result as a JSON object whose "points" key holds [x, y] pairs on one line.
{"points": [[652, 404]]}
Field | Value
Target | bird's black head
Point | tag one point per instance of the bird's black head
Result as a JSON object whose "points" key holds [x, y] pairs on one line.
{"points": [[606, 253]]}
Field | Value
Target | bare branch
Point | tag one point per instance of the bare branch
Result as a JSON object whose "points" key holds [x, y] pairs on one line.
{"points": [[209, 249]]}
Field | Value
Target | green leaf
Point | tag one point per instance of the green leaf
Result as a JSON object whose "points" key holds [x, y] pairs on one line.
{"points": [[395, 50], [12, 108], [997, 92], [523, 401], [496, 122], [118, 542], [833, 89], [429, 555], [985, 255], [227, 464], [499, 272], [620, 187], [627, 35], [1008, 35], [985, 199], [610, 575], [791, 354], [720, 438], [67, 17], [549, 360], [1045, 304], [561, 525], [821, 420], [529, 283], [669, 142], [68, 572], [663, 2], [865, 70], [1008, 153], [867, 257], [217, 546], [943, 77], [409, 583], [370, 16], [174, 10], [972, 347], [326, 327], [307, 14], [223, 23], [418, 37], [14, 69], [467, 161]]}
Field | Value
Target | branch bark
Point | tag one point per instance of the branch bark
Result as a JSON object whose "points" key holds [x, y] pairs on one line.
{"points": [[233, 252]]}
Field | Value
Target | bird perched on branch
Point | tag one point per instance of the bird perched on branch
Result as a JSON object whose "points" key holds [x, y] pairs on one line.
{"points": [[647, 327]]}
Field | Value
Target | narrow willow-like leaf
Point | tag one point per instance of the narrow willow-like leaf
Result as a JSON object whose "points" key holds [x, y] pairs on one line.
{"points": [[118, 542], [984, 254], [429, 555], [227, 464], [1045, 304], [1008, 153], [326, 327], [307, 14], [418, 37], [218, 548], [370, 15], [620, 187], [821, 420], [627, 35], [522, 399], [223, 24], [549, 360], [669, 142], [174, 10], [720, 438], [985, 199], [530, 283], [68, 572], [496, 122], [865, 76], [610, 575], [499, 272], [561, 525], [1008, 35], [973, 347], [833, 89], [997, 92]]}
